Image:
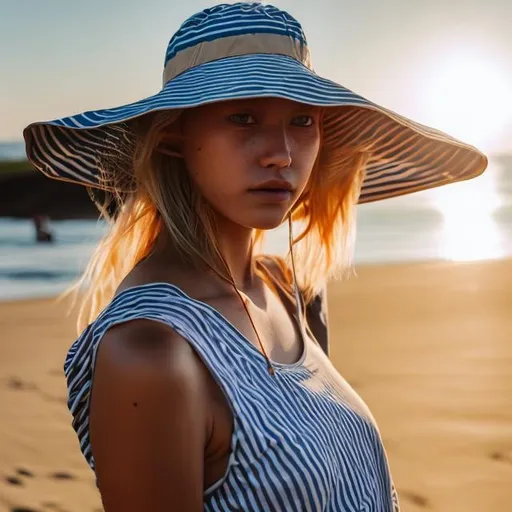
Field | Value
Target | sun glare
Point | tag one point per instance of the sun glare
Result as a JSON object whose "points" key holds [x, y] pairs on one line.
{"points": [[469, 231], [468, 96]]}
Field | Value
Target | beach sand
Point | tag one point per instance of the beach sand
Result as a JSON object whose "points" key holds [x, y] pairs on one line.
{"points": [[427, 346]]}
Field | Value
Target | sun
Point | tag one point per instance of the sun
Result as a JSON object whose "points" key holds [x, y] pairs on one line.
{"points": [[467, 96]]}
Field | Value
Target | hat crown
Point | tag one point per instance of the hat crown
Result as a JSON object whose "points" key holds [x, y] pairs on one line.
{"points": [[229, 20]]}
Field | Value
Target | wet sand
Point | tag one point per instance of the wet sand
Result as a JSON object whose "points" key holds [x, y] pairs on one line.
{"points": [[427, 346]]}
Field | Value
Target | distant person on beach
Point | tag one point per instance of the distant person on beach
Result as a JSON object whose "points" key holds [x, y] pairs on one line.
{"points": [[42, 227], [201, 379]]}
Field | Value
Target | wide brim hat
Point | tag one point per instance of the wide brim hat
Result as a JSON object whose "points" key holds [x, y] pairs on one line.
{"points": [[242, 51]]}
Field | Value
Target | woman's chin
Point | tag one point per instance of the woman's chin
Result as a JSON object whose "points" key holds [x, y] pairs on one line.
{"points": [[261, 218], [266, 222]]}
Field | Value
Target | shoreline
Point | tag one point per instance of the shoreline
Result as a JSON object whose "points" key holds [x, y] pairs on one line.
{"points": [[353, 274]]}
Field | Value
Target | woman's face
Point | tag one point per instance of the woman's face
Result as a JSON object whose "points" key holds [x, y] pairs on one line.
{"points": [[232, 148]]}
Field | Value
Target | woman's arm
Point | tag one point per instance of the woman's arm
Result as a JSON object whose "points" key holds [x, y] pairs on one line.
{"points": [[148, 420], [316, 314]]}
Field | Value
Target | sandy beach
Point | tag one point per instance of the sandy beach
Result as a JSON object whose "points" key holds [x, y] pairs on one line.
{"points": [[427, 346]]}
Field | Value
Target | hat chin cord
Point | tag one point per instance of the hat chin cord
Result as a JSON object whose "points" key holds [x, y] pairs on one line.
{"points": [[298, 302]]}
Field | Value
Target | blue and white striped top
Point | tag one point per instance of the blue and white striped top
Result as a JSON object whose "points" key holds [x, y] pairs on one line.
{"points": [[303, 440]]}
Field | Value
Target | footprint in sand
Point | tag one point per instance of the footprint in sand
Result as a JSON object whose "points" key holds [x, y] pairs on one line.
{"points": [[501, 457], [415, 498], [23, 509], [24, 472], [13, 480], [62, 475], [18, 384], [52, 505]]}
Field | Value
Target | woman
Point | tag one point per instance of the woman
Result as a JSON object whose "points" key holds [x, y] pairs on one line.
{"points": [[210, 388]]}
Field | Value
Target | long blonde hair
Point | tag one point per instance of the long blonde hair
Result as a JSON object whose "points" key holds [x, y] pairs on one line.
{"points": [[163, 196]]}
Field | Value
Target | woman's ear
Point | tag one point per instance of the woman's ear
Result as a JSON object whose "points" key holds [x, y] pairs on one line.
{"points": [[169, 151], [171, 141]]}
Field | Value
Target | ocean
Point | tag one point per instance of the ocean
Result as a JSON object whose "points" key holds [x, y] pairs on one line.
{"points": [[462, 222]]}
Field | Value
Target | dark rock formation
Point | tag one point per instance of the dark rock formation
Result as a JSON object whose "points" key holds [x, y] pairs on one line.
{"points": [[29, 193]]}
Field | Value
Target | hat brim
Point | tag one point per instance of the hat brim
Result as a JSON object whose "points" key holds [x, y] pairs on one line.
{"points": [[405, 156]]}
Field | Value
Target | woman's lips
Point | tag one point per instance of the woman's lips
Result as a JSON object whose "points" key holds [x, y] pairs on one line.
{"points": [[278, 195]]}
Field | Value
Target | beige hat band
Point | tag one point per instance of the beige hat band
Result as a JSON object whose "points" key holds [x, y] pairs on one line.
{"points": [[235, 46]]}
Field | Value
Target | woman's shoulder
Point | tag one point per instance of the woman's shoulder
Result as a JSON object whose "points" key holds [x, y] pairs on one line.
{"points": [[146, 349], [135, 335], [138, 299]]}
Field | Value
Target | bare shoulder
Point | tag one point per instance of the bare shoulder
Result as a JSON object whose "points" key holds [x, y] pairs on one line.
{"points": [[147, 345], [148, 418]]}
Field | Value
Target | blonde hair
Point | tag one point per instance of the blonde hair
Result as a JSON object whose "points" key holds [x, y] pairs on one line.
{"points": [[162, 196]]}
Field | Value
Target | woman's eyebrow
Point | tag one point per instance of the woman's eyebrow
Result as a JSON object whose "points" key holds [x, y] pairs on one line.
{"points": [[243, 103], [307, 109], [305, 106], [252, 106]]}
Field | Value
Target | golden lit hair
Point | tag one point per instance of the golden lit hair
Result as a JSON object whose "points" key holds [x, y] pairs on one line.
{"points": [[163, 195]]}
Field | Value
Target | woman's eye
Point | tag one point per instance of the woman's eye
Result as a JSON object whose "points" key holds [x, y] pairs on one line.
{"points": [[248, 119], [303, 121], [242, 118]]}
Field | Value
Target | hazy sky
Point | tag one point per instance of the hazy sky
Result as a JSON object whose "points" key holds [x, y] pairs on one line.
{"points": [[436, 61]]}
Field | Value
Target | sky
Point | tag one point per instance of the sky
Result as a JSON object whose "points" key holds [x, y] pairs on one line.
{"points": [[444, 63]]}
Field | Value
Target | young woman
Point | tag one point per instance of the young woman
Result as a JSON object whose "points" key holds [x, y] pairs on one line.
{"points": [[201, 379]]}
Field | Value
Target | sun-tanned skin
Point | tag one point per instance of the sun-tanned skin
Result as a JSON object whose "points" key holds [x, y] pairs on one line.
{"points": [[160, 426]]}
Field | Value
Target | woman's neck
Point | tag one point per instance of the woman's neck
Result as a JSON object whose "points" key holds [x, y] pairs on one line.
{"points": [[236, 248]]}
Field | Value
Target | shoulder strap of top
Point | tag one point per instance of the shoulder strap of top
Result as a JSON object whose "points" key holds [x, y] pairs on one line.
{"points": [[316, 310]]}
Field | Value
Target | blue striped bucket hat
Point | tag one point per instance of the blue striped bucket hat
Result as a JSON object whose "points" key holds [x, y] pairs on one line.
{"points": [[251, 50]]}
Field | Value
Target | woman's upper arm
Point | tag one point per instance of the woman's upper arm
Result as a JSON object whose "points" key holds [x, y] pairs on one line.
{"points": [[148, 420], [317, 317]]}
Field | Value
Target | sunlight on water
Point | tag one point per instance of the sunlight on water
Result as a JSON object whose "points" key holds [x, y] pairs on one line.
{"points": [[469, 230]]}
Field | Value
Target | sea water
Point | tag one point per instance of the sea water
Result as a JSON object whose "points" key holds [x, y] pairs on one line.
{"points": [[461, 222]]}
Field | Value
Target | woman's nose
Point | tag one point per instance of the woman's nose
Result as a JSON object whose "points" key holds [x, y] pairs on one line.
{"points": [[277, 151]]}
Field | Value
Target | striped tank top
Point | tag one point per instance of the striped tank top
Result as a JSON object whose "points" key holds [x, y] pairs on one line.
{"points": [[303, 440]]}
